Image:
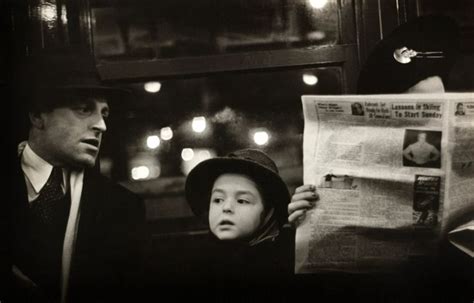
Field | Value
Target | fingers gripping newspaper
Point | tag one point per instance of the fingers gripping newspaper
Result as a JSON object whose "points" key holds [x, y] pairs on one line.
{"points": [[390, 171]]}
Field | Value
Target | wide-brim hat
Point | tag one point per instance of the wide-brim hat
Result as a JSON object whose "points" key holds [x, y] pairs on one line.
{"points": [[48, 81], [250, 162], [436, 34]]}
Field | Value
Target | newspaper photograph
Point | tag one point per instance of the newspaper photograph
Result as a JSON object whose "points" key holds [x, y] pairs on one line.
{"points": [[390, 170]]}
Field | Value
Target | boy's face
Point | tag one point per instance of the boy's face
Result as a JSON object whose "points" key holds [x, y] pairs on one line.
{"points": [[236, 207]]}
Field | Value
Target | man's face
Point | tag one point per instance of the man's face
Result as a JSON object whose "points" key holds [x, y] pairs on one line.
{"points": [[72, 135], [460, 107], [236, 207]]}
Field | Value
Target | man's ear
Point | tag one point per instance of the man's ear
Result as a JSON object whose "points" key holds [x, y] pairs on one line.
{"points": [[36, 120]]}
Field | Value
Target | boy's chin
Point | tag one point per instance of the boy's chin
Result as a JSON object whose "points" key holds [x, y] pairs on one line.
{"points": [[226, 236]]}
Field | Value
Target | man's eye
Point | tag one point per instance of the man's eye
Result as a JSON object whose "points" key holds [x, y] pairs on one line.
{"points": [[243, 201], [83, 110]]}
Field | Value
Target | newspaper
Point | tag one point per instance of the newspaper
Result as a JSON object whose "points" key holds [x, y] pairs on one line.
{"points": [[390, 170]]}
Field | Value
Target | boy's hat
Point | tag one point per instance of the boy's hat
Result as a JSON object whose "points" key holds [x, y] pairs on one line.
{"points": [[250, 162], [436, 40]]}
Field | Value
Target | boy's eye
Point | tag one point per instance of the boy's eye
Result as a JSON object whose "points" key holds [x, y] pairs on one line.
{"points": [[243, 201], [217, 200]]}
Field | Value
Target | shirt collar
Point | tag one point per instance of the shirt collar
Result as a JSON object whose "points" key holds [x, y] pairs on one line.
{"points": [[35, 168]]}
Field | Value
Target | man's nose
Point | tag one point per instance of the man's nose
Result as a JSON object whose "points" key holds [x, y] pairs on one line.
{"points": [[99, 124]]}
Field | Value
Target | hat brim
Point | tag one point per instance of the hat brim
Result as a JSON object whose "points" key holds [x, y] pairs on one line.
{"points": [[201, 179], [111, 94]]}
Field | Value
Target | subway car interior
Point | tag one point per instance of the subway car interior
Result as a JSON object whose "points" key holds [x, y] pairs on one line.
{"points": [[209, 77]]}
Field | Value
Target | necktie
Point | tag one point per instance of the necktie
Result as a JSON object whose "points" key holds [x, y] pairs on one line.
{"points": [[48, 208], [48, 219]]}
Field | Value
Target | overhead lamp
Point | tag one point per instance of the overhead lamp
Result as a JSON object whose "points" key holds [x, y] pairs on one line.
{"points": [[166, 133], [153, 141], [199, 124], [140, 172], [310, 79], [152, 87], [187, 154], [318, 4], [261, 137], [199, 155]]}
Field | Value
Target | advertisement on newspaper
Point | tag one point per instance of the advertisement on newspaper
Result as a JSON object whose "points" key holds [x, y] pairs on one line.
{"points": [[385, 167]]}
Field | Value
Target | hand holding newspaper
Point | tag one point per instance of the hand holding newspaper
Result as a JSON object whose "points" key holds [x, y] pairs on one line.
{"points": [[390, 169]]}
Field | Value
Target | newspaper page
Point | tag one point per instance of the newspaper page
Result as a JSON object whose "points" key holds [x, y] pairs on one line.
{"points": [[461, 180], [381, 164]]}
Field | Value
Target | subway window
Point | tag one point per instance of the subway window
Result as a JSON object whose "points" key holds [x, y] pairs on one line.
{"points": [[170, 29]]}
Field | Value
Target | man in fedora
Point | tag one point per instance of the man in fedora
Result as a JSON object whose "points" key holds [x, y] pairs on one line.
{"points": [[76, 236]]}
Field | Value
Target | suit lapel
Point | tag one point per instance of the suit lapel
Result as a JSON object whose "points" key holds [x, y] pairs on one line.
{"points": [[19, 200], [88, 228], [19, 224], [90, 210], [20, 194]]}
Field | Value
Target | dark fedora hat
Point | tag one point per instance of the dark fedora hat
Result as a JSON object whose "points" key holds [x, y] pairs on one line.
{"points": [[49, 81], [250, 162], [435, 39]]}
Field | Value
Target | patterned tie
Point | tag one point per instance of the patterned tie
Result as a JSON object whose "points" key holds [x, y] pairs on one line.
{"points": [[47, 207], [48, 219]]}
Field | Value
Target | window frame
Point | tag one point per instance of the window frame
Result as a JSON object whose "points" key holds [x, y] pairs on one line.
{"points": [[344, 55]]}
